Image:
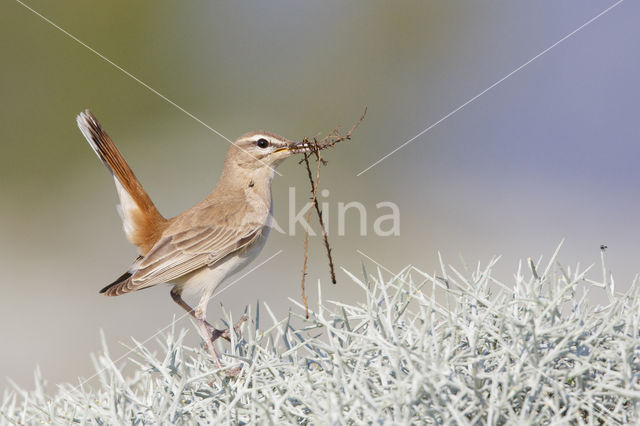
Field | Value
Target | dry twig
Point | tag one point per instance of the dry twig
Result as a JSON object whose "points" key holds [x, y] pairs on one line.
{"points": [[328, 141], [314, 191]]}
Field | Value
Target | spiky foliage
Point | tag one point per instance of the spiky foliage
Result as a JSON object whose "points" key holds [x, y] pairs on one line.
{"points": [[460, 348]]}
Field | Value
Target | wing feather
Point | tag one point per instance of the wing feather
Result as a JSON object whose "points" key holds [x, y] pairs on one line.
{"points": [[176, 255]]}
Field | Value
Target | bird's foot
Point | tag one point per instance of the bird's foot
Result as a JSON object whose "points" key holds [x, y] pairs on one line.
{"points": [[225, 334], [232, 373]]}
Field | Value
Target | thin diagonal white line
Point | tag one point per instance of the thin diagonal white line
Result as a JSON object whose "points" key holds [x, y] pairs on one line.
{"points": [[253, 269], [377, 263], [581, 27], [85, 381], [136, 79]]}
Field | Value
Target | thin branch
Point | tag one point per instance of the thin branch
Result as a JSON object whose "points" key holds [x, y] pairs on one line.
{"points": [[314, 191], [335, 137], [328, 141]]}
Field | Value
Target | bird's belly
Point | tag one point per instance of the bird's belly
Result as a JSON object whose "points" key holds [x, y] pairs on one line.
{"points": [[214, 275]]}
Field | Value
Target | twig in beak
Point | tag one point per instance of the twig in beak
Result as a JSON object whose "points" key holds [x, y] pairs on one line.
{"points": [[316, 146]]}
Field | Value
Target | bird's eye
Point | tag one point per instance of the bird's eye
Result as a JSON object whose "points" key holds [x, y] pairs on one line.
{"points": [[262, 143]]}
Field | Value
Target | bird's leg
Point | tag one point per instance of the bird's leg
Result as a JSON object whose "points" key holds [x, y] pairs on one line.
{"points": [[209, 333], [208, 342], [200, 314], [213, 332]]}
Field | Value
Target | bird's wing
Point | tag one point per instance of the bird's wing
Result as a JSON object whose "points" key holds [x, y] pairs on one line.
{"points": [[183, 252]]}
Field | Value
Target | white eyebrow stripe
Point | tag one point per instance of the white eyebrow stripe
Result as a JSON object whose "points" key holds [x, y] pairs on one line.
{"points": [[258, 136], [261, 134]]}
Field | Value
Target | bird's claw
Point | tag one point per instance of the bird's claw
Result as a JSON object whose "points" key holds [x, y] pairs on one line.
{"points": [[231, 373], [234, 372], [225, 334]]}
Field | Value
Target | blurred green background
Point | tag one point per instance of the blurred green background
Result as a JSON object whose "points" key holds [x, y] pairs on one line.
{"points": [[550, 153]]}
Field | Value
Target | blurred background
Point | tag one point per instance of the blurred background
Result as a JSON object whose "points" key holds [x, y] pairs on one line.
{"points": [[550, 153]]}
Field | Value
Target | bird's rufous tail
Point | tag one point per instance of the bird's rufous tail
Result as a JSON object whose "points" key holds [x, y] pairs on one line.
{"points": [[143, 223]]}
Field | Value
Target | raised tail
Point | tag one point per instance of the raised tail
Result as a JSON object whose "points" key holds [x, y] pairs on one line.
{"points": [[143, 224]]}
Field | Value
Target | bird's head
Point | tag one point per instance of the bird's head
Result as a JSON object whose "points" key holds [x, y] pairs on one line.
{"points": [[262, 150]]}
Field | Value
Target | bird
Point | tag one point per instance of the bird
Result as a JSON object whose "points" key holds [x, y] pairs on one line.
{"points": [[196, 250]]}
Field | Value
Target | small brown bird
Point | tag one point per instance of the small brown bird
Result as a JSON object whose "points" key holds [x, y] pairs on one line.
{"points": [[196, 250]]}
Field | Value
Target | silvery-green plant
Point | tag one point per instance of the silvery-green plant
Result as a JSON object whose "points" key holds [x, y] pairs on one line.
{"points": [[453, 347]]}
